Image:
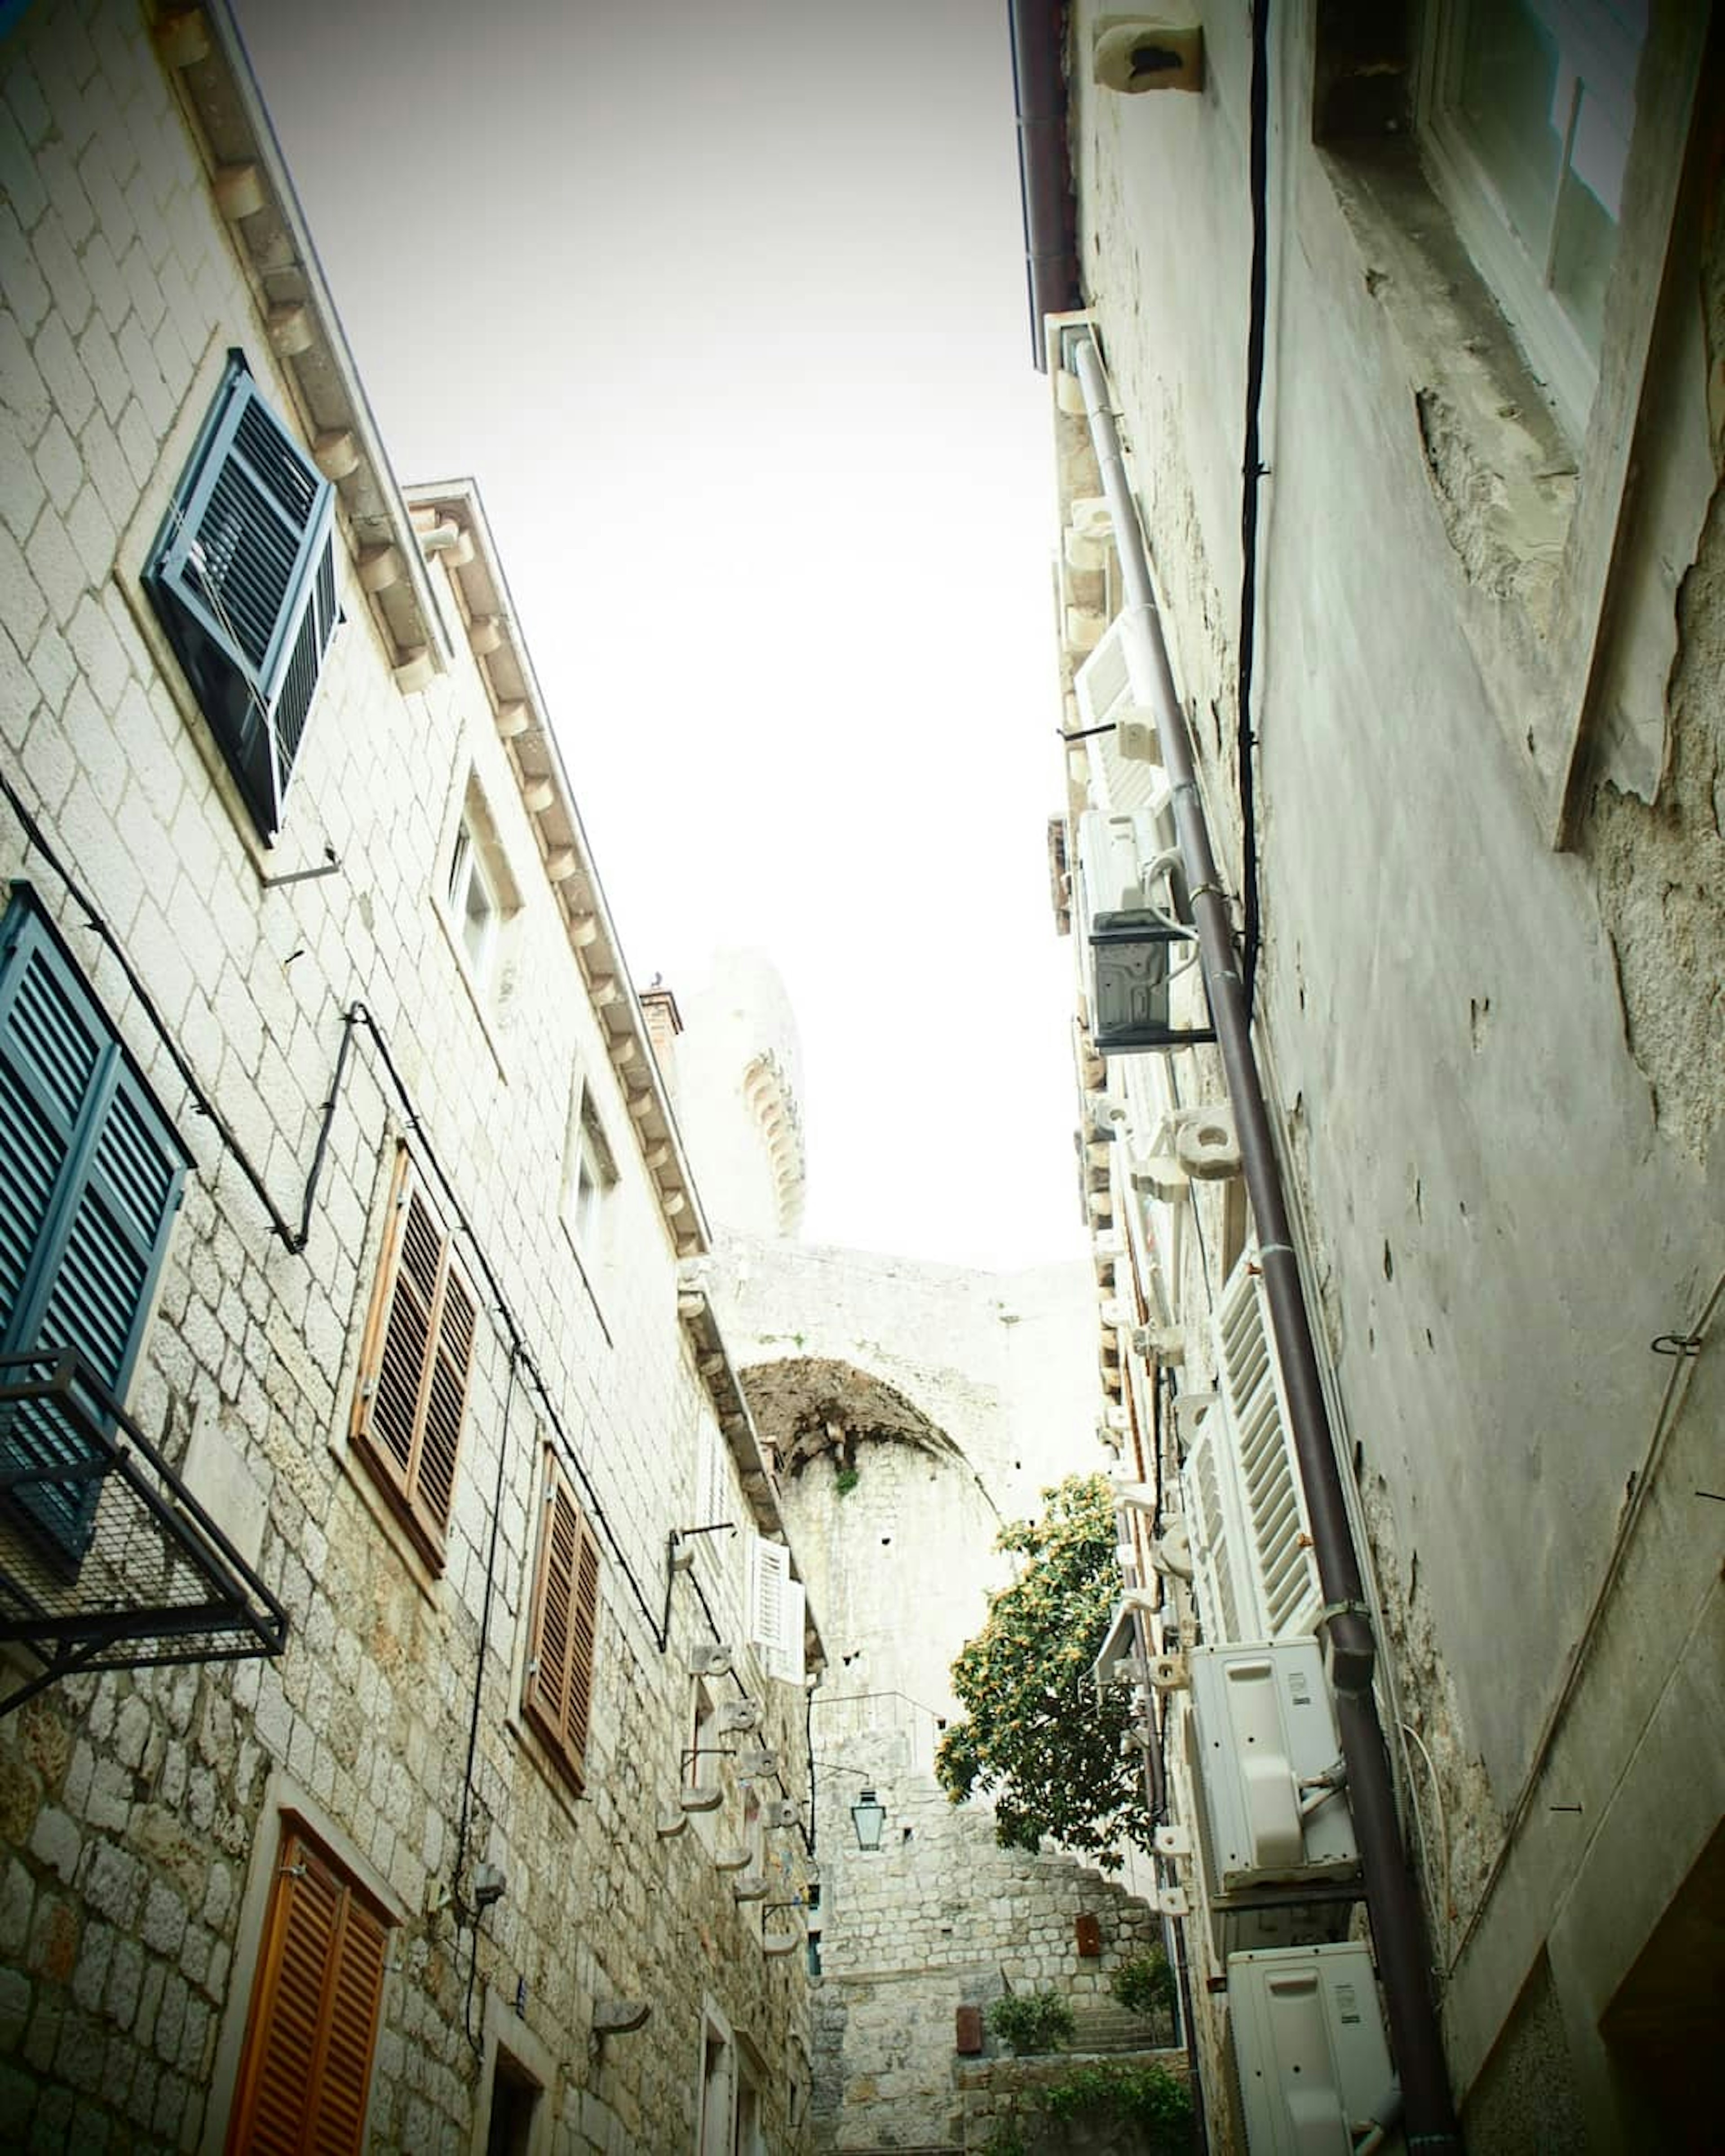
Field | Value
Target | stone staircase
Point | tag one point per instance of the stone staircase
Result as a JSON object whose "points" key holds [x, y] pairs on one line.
{"points": [[1101, 2025]]}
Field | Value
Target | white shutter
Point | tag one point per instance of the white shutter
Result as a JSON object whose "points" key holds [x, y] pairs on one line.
{"points": [[1106, 693], [1278, 1549], [787, 1664], [1221, 1579], [714, 1481], [776, 1607]]}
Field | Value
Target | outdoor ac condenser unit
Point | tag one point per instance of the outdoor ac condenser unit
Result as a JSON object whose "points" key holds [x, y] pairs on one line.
{"points": [[1264, 1745], [1310, 2053]]}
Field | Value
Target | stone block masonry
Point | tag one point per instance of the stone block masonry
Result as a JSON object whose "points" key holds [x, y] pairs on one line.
{"points": [[142, 1813]]}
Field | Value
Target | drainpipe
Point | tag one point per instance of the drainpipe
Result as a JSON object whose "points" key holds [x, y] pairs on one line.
{"points": [[1397, 1928], [1039, 82]]}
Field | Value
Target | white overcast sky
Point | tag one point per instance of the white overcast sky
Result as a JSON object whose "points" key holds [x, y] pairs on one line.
{"points": [[723, 306]]}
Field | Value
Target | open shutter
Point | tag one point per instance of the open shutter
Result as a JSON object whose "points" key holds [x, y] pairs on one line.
{"points": [[413, 1395], [1106, 694], [94, 1177], [1248, 1378], [1222, 1582], [775, 1608], [306, 2069], [243, 577], [561, 1639]]}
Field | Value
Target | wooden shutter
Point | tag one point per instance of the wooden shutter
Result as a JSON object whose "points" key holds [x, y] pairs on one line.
{"points": [[412, 1394], [306, 2069], [564, 1624], [93, 1174], [243, 577]]}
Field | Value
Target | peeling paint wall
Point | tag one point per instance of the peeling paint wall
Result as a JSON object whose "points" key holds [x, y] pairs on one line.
{"points": [[1497, 1065]]}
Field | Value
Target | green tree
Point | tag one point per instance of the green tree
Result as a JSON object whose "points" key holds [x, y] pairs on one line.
{"points": [[1038, 1739]]}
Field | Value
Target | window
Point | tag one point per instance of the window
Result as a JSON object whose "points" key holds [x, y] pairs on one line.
{"points": [[473, 906], [589, 1173], [91, 1179], [718, 2091], [243, 577], [1529, 110], [564, 1624], [418, 1348], [306, 2068]]}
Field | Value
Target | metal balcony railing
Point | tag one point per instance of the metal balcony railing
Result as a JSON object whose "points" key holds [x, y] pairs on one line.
{"points": [[107, 1561]]}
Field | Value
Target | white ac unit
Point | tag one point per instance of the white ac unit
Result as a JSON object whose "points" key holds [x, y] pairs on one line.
{"points": [[1311, 2055], [1263, 1743]]}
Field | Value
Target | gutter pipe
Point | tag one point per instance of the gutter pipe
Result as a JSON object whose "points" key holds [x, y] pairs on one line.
{"points": [[1398, 1928], [1039, 86]]}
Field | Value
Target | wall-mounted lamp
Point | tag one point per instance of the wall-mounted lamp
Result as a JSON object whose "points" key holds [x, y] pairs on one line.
{"points": [[868, 1815]]}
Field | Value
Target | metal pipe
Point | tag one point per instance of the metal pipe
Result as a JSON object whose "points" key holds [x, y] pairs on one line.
{"points": [[1039, 86], [1397, 1928]]}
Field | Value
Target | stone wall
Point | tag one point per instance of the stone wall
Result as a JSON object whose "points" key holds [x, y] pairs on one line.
{"points": [[141, 1813], [1493, 1067], [1000, 2102], [914, 1406]]}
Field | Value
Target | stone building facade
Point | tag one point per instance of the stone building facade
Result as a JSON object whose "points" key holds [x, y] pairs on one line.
{"points": [[1468, 827], [338, 1156]]}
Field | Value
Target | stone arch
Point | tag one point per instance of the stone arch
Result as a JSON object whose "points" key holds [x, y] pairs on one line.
{"points": [[807, 1406]]}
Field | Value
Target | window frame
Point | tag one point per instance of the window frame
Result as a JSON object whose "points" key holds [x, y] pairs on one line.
{"points": [[450, 1310], [95, 1216], [590, 1176], [557, 1706], [1559, 353], [468, 874], [256, 701]]}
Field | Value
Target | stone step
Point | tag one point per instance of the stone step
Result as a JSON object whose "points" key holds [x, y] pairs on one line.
{"points": [[1111, 2028]]}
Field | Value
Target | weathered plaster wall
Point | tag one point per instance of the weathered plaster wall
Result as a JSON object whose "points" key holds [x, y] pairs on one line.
{"points": [[141, 1813], [1498, 1065]]}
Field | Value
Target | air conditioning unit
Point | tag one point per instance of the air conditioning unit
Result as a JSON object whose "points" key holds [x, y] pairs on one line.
{"points": [[710, 1658], [1134, 942], [1311, 2056], [1263, 1745]]}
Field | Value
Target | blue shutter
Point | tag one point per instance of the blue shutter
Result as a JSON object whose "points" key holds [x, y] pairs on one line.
{"points": [[92, 1179], [244, 578]]}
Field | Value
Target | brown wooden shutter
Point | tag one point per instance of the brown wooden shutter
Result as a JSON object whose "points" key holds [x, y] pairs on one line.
{"points": [[419, 1351], [306, 2069], [560, 1642]]}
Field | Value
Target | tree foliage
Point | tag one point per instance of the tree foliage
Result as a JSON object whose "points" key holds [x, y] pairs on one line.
{"points": [[1038, 1740]]}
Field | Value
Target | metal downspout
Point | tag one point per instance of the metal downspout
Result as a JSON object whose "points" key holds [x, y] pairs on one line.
{"points": [[1397, 1928], [1039, 84]]}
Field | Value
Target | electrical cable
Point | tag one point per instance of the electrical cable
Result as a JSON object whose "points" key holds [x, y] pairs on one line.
{"points": [[1252, 474], [479, 1683]]}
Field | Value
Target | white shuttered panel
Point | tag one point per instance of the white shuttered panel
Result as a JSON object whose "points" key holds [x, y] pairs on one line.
{"points": [[776, 1610], [1107, 695], [1271, 1503]]}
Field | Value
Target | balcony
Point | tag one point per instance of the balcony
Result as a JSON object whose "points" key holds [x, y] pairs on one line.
{"points": [[107, 1561]]}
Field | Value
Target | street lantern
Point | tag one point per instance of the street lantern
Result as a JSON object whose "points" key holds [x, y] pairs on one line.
{"points": [[868, 1815]]}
